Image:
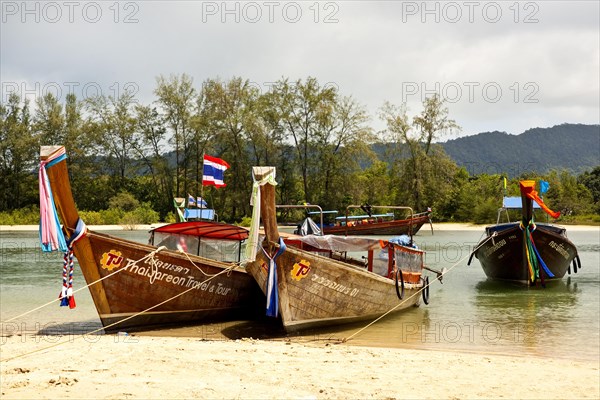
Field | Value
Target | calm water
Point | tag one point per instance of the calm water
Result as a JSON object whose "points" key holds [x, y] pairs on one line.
{"points": [[466, 313]]}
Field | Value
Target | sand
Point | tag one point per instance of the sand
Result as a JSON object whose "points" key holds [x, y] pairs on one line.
{"points": [[143, 367]]}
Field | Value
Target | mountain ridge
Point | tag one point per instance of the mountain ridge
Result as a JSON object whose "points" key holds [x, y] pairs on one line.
{"points": [[574, 147]]}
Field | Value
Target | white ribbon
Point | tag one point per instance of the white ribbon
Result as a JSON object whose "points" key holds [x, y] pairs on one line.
{"points": [[252, 243]]}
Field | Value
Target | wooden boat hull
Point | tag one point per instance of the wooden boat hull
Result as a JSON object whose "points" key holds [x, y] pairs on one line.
{"points": [[502, 256], [175, 289], [317, 291], [142, 286], [395, 227]]}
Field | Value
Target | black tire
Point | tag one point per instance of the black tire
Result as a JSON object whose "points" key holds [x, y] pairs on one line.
{"points": [[425, 290], [399, 292]]}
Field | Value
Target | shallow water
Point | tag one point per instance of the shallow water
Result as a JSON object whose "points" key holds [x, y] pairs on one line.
{"points": [[466, 313]]}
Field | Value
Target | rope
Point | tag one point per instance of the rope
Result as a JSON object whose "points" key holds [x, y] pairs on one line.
{"points": [[344, 340], [226, 270], [236, 264], [151, 254]]}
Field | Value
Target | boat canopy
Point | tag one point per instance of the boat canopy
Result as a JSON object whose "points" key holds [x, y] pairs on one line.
{"points": [[205, 229], [199, 213], [515, 203], [388, 215]]}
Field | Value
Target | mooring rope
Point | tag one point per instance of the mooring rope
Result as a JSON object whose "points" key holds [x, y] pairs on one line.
{"points": [[224, 271], [344, 340], [236, 264], [149, 255]]}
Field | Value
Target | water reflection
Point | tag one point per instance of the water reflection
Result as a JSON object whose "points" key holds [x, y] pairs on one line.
{"points": [[525, 319]]}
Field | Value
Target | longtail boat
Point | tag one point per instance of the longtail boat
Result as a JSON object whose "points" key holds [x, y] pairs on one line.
{"points": [[526, 251], [378, 224], [135, 285], [308, 286]]}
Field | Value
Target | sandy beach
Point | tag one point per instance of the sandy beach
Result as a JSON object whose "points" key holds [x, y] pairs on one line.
{"points": [[136, 367]]}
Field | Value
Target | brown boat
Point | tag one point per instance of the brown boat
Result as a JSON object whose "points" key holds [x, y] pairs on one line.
{"points": [[526, 252], [312, 282], [378, 224], [135, 285]]}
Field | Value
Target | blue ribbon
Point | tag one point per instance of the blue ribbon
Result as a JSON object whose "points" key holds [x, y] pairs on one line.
{"points": [[546, 269], [272, 295]]}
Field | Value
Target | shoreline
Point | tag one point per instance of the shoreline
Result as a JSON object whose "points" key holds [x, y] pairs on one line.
{"points": [[136, 367], [442, 226]]}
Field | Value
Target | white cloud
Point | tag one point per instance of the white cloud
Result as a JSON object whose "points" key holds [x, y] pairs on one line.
{"points": [[547, 69]]}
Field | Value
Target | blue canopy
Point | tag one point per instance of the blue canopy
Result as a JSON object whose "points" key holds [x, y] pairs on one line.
{"points": [[515, 203], [194, 213]]}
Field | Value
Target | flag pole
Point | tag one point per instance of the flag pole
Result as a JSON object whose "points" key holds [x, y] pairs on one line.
{"points": [[202, 189]]}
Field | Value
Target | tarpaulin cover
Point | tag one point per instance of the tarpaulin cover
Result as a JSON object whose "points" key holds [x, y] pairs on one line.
{"points": [[340, 243], [308, 227]]}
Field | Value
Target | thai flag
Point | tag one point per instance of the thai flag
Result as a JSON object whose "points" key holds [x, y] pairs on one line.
{"points": [[201, 202], [191, 200], [214, 168]]}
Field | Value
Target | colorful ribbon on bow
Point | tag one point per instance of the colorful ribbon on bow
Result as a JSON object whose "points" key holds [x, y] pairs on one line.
{"points": [[66, 294], [51, 235], [272, 296], [534, 259], [528, 189]]}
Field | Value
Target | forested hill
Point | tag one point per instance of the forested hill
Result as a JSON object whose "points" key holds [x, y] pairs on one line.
{"points": [[574, 147]]}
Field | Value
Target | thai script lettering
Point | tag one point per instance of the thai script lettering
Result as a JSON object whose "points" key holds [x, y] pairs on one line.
{"points": [[559, 249], [334, 286], [495, 247], [167, 266]]}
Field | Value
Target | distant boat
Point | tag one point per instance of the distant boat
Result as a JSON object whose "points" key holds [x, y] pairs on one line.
{"points": [[377, 224], [145, 285], [526, 251], [313, 283]]}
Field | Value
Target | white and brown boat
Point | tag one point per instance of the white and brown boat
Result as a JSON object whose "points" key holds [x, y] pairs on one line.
{"points": [[526, 252], [134, 285], [378, 224], [311, 283]]}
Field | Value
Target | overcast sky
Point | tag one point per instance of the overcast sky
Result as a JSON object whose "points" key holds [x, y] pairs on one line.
{"points": [[503, 65]]}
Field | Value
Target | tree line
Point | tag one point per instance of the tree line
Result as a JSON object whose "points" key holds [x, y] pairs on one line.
{"points": [[124, 154]]}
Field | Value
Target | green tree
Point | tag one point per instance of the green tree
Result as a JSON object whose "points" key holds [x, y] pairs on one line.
{"points": [[591, 180], [231, 114], [18, 155], [148, 146], [177, 99], [424, 175], [115, 123], [49, 121], [304, 108]]}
